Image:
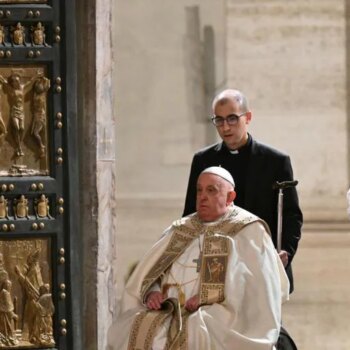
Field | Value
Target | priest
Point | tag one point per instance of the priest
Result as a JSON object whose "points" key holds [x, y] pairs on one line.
{"points": [[213, 281]]}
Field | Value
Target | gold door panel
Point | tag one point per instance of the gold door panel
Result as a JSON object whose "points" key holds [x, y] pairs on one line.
{"points": [[26, 305], [37, 182], [23, 120]]}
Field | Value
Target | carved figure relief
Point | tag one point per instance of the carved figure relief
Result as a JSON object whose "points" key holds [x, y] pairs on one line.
{"points": [[42, 325], [21, 209], [3, 273], [23, 121], [31, 280], [2, 35], [25, 208], [26, 304], [18, 34], [38, 35], [3, 129], [42, 208], [41, 86], [16, 91], [7, 315], [4, 210]]}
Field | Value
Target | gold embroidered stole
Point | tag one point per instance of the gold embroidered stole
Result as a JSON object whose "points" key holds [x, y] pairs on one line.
{"points": [[181, 238], [147, 323], [212, 276]]}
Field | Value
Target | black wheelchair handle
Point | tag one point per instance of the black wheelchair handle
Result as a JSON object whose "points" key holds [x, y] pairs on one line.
{"points": [[284, 184]]}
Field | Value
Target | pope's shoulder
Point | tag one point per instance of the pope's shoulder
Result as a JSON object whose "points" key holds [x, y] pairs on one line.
{"points": [[236, 216], [184, 221]]}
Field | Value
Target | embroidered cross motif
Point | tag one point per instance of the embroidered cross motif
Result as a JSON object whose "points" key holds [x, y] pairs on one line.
{"points": [[198, 262]]}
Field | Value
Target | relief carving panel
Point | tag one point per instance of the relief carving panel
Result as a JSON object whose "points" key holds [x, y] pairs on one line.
{"points": [[23, 121], [26, 207], [26, 306], [18, 35]]}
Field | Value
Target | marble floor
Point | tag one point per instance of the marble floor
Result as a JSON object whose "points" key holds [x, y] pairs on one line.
{"points": [[318, 314]]}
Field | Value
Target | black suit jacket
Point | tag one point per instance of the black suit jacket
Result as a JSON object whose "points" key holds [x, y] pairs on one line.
{"points": [[265, 166]]}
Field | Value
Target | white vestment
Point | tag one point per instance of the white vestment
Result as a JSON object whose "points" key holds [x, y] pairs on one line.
{"points": [[248, 318]]}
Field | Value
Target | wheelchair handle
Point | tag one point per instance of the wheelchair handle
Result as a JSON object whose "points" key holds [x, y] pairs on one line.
{"points": [[281, 186], [284, 184]]}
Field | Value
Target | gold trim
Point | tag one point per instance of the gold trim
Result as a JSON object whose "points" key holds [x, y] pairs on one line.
{"points": [[180, 240], [177, 334], [146, 325]]}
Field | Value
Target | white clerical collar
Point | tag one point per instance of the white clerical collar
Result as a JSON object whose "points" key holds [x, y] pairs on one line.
{"points": [[234, 151]]}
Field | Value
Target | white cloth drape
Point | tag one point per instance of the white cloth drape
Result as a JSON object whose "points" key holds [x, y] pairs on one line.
{"points": [[250, 316]]}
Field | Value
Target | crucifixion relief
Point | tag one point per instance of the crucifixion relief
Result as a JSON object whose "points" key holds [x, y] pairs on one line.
{"points": [[23, 121]]}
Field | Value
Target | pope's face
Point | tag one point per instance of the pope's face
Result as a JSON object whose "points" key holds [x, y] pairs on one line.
{"points": [[213, 197]]}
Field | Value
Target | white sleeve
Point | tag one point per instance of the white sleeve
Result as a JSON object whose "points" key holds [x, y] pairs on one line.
{"points": [[250, 316], [257, 301]]}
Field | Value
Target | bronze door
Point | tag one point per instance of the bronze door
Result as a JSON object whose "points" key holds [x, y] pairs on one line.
{"points": [[37, 154]]}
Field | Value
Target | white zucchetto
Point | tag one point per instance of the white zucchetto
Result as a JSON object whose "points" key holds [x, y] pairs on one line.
{"points": [[219, 171]]}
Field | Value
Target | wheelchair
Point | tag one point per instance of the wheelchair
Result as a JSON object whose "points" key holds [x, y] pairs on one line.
{"points": [[285, 341]]}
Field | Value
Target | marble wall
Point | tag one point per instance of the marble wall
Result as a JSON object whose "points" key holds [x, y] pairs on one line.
{"points": [[288, 57], [160, 91], [290, 60]]}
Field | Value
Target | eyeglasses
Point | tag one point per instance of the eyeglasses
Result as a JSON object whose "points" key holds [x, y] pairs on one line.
{"points": [[231, 119]]}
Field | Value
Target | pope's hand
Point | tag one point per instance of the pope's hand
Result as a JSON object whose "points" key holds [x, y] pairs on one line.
{"points": [[192, 304], [284, 257], [154, 300]]}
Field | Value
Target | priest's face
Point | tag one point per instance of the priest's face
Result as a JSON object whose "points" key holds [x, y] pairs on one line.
{"points": [[235, 135], [214, 195]]}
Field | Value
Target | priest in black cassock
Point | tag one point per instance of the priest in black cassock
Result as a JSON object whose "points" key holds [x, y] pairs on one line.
{"points": [[255, 167]]}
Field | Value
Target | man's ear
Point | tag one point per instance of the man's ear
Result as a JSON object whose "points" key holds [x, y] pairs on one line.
{"points": [[231, 197], [248, 117]]}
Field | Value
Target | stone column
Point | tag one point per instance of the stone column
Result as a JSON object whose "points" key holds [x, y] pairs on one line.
{"points": [[105, 167], [97, 169], [347, 19]]}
